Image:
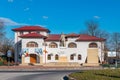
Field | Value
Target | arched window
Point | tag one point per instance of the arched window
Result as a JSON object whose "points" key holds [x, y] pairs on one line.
{"points": [[72, 45], [49, 57], [53, 45], [32, 44], [71, 57], [56, 57], [92, 45], [79, 57]]}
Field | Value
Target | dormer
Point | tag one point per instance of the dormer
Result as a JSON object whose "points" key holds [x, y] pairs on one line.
{"points": [[72, 36]]}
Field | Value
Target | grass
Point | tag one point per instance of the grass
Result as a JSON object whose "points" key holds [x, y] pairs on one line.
{"points": [[107, 74]]}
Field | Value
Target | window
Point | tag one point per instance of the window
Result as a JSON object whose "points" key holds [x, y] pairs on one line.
{"points": [[79, 57], [56, 57], [29, 32], [21, 33], [49, 57], [72, 57], [92, 45], [32, 44], [38, 32], [53, 45], [72, 45]]}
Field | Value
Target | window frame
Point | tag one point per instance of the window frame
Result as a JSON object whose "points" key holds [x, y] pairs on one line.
{"points": [[32, 44], [72, 45], [56, 57], [71, 57], [53, 45], [93, 45], [79, 57], [48, 57]]}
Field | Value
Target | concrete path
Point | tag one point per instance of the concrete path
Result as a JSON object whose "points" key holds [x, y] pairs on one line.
{"points": [[41, 68]]}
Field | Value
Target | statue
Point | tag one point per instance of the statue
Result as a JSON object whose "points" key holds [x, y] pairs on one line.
{"points": [[62, 40]]}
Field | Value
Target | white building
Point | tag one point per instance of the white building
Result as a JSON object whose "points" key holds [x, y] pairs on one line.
{"points": [[36, 45]]}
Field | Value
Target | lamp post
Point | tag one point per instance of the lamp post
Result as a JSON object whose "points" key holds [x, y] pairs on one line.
{"points": [[9, 54], [45, 51], [101, 52]]}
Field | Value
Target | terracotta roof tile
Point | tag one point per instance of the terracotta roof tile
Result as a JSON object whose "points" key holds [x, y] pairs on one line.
{"points": [[53, 37], [32, 35], [31, 28], [72, 35], [84, 37]]}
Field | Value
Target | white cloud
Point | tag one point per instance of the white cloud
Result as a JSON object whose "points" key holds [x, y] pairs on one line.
{"points": [[45, 17], [9, 22], [96, 17], [26, 9], [10, 1]]}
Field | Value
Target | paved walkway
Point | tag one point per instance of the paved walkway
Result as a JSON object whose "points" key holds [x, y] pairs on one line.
{"points": [[43, 68]]}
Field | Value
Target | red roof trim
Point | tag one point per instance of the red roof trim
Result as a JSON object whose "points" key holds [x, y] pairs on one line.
{"points": [[73, 35], [31, 28], [32, 35], [84, 37], [53, 37], [56, 37]]}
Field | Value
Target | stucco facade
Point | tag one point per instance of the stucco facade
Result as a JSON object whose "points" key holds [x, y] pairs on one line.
{"points": [[36, 45]]}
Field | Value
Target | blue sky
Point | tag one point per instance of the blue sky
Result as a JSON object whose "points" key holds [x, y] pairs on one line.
{"points": [[66, 16]]}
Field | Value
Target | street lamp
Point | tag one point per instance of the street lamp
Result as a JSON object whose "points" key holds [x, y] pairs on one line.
{"points": [[45, 51]]}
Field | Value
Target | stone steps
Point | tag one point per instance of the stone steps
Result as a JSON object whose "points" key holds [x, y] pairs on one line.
{"points": [[91, 64]]}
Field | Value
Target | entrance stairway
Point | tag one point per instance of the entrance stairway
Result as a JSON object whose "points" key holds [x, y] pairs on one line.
{"points": [[92, 58]]}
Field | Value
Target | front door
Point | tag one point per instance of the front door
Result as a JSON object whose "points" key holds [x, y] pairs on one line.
{"points": [[33, 58]]}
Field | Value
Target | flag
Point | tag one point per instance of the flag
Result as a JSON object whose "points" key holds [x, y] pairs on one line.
{"points": [[25, 52]]}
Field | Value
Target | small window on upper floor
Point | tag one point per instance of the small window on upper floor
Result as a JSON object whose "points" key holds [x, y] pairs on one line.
{"points": [[29, 32], [21, 33], [93, 45], [72, 45], [53, 45], [38, 32], [32, 44]]}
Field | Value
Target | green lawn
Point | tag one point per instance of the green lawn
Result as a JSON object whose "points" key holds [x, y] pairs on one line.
{"points": [[108, 74]]}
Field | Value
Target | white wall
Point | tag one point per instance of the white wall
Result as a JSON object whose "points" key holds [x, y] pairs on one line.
{"points": [[81, 49], [37, 40]]}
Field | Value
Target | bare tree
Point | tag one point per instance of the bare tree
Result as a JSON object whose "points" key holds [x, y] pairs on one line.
{"points": [[92, 27], [2, 32], [115, 42], [7, 44]]}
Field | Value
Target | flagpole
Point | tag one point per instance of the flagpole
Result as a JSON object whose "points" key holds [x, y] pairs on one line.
{"points": [[45, 52]]}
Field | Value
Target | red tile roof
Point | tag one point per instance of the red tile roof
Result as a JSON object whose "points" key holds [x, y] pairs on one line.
{"points": [[72, 35], [84, 37], [32, 35], [53, 37], [31, 28], [81, 37]]}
